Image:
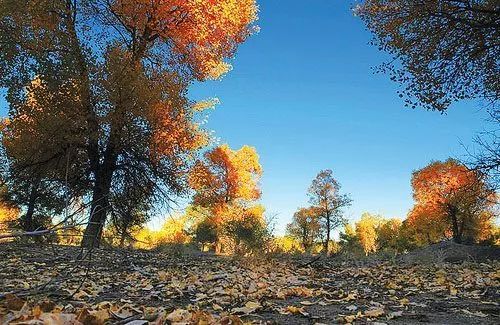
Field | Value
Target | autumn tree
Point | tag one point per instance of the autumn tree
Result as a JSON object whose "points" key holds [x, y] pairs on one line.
{"points": [[390, 235], [367, 232], [171, 236], [324, 194], [349, 241], [129, 63], [226, 184], [450, 198], [44, 161], [305, 227], [443, 50], [205, 233]]}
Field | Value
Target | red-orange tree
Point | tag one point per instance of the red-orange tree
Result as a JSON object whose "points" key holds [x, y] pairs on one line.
{"points": [[130, 62], [450, 198]]}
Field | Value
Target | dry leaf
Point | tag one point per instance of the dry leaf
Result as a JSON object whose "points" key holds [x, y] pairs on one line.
{"points": [[374, 312]]}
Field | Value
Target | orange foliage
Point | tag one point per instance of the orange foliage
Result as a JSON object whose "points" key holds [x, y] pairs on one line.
{"points": [[226, 186], [226, 177], [450, 200], [203, 33]]}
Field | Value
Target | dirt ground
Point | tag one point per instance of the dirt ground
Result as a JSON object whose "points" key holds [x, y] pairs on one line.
{"points": [[46, 282]]}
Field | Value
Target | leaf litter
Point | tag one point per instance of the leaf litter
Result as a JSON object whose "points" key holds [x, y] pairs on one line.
{"points": [[138, 287]]}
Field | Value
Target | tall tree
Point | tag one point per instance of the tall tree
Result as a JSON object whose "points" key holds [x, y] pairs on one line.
{"points": [[130, 62], [451, 197], [324, 194]]}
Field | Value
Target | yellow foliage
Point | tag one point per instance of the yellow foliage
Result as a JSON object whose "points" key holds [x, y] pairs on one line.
{"points": [[389, 233], [287, 244], [8, 214], [173, 231], [366, 231]]}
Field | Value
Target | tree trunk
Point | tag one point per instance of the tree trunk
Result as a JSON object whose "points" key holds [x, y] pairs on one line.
{"points": [[124, 231], [28, 224], [98, 213], [100, 203], [457, 231], [122, 239], [327, 242]]}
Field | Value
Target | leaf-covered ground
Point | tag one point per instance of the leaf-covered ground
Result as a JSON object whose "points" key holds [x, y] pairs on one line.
{"points": [[50, 285]]}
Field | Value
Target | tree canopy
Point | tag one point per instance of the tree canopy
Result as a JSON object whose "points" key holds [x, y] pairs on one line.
{"points": [[442, 51]]}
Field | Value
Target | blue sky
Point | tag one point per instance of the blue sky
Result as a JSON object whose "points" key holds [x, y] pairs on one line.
{"points": [[303, 93]]}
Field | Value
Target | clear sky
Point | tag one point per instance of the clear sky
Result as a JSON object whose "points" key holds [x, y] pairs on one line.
{"points": [[303, 93]]}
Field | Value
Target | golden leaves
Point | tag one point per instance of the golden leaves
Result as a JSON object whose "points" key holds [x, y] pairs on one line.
{"points": [[249, 308], [227, 177], [213, 290], [203, 33], [366, 230]]}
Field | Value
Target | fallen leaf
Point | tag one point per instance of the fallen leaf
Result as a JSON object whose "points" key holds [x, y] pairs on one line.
{"points": [[307, 303], [249, 308], [374, 312], [179, 316]]}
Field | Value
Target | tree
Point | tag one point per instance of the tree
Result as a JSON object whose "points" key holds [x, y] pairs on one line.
{"points": [[324, 194], [43, 153], [443, 50], [449, 197], [366, 232], [305, 227], [205, 233], [130, 62], [389, 235], [349, 241], [226, 184], [247, 232], [172, 234]]}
